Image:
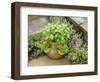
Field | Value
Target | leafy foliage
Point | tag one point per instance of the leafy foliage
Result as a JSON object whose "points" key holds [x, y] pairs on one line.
{"points": [[34, 51], [78, 55], [69, 42], [56, 31], [76, 40]]}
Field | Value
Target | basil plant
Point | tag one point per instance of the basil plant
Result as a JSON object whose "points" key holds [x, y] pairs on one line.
{"points": [[56, 31]]}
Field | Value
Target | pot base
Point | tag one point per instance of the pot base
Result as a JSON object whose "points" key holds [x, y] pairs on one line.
{"points": [[55, 57]]}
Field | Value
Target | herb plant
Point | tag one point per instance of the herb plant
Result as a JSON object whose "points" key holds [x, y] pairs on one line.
{"points": [[78, 52], [55, 31], [78, 55], [34, 51], [76, 40]]}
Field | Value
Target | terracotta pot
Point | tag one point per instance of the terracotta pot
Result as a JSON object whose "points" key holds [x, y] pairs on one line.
{"points": [[53, 52]]}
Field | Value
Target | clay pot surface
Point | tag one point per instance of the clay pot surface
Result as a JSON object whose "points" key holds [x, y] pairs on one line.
{"points": [[53, 52]]}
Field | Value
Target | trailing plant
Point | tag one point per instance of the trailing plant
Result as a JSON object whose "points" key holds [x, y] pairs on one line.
{"points": [[63, 48], [42, 43], [33, 50], [35, 53], [78, 55]]}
